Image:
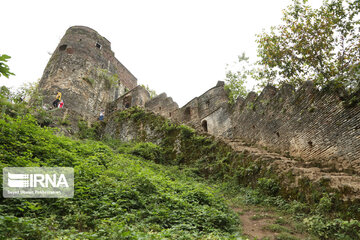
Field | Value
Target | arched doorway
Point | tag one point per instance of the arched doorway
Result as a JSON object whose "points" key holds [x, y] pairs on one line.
{"points": [[204, 125]]}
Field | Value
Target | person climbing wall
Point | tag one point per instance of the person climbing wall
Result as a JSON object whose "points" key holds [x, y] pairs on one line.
{"points": [[57, 100], [102, 113]]}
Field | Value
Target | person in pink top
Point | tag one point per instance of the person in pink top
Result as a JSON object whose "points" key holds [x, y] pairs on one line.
{"points": [[61, 104]]}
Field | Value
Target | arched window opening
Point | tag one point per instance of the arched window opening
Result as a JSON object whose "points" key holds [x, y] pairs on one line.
{"points": [[63, 47]]}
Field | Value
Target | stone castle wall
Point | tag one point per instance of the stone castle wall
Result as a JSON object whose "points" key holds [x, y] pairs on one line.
{"points": [[311, 124], [138, 96], [208, 112], [162, 105]]}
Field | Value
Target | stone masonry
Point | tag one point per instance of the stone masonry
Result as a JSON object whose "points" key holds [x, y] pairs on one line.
{"points": [[313, 125], [84, 69], [310, 124]]}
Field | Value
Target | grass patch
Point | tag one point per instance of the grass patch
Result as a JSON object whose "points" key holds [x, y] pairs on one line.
{"points": [[286, 236], [260, 216], [276, 228], [282, 221]]}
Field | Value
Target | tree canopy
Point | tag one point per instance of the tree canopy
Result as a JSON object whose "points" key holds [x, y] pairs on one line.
{"points": [[235, 80], [4, 68], [320, 45]]}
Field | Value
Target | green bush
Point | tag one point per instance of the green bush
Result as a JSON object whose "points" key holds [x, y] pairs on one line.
{"points": [[325, 204], [334, 229], [87, 131], [268, 186], [148, 151], [22, 228]]}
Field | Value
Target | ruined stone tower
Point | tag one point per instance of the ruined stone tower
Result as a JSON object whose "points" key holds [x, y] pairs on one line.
{"points": [[84, 69]]}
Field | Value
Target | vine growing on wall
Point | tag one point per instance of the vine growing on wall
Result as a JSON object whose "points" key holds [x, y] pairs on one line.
{"points": [[102, 74], [109, 78]]}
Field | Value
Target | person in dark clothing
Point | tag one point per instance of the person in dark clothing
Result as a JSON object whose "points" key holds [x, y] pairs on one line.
{"points": [[57, 100], [102, 113]]}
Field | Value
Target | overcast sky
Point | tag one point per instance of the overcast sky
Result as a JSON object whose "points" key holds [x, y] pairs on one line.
{"points": [[177, 47]]}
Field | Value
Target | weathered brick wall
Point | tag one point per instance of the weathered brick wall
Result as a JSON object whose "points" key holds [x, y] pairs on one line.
{"points": [[163, 105], [217, 122], [138, 96], [311, 124], [188, 113], [211, 100], [211, 107], [126, 77]]}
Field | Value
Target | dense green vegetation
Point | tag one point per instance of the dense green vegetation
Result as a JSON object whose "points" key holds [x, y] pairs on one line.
{"points": [[141, 190], [318, 219], [119, 193], [315, 205]]}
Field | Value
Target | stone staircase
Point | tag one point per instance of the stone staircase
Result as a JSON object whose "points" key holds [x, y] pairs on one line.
{"points": [[348, 185]]}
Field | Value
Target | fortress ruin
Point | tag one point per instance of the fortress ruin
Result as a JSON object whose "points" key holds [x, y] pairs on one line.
{"points": [[307, 123]]}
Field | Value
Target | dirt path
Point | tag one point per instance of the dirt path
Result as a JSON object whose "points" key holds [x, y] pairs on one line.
{"points": [[260, 223], [253, 227]]}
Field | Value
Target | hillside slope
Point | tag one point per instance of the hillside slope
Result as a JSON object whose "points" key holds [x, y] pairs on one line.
{"points": [[120, 193], [149, 178], [221, 159]]}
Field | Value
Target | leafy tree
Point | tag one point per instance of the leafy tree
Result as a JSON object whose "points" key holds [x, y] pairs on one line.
{"points": [[5, 92], [320, 45], [4, 68], [30, 92], [235, 81]]}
